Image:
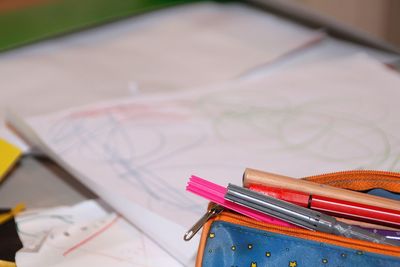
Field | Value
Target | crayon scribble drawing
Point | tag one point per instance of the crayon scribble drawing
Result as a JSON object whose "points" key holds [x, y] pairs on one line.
{"points": [[146, 148], [84, 234]]}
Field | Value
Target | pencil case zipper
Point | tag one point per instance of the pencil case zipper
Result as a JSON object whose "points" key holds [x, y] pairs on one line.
{"points": [[359, 180]]}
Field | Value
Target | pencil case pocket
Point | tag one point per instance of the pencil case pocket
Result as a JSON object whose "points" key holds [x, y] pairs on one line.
{"points": [[230, 239]]}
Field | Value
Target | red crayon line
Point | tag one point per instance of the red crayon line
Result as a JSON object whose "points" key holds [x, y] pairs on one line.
{"points": [[84, 241]]}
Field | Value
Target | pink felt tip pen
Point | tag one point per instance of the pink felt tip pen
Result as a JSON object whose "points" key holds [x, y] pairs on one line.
{"points": [[216, 193]]}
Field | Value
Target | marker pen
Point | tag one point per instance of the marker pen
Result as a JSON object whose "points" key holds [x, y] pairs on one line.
{"points": [[333, 206]]}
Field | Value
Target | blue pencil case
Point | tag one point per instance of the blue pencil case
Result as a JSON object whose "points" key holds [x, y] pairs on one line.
{"points": [[233, 240]]}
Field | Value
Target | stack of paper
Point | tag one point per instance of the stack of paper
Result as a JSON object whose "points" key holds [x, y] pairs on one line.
{"points": [[138, 153]]}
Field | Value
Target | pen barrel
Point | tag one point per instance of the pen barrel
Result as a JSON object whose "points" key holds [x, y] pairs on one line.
{"points": [[252, 176], [283, 210], [356, 211], [355, 232]]}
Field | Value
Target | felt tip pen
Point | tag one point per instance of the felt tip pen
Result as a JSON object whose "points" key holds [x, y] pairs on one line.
{"points": [[332, 206], [303, 217], [216, 193]]}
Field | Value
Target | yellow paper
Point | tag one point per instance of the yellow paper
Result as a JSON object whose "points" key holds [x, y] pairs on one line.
{"points": [[8, 215], [9, 155], [4, 263]]}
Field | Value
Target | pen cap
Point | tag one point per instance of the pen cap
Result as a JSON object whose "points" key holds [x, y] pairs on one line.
{"points": [[298, 198]]}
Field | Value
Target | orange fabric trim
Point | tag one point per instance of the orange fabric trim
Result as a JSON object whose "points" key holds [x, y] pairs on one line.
{"points": [[202, 243], [360, 180]]}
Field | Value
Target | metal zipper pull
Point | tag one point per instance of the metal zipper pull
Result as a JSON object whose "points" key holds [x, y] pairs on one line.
{"points": [[214, 210]]}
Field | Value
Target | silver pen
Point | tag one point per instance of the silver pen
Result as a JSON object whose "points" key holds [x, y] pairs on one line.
{"points": [[300, 216]]}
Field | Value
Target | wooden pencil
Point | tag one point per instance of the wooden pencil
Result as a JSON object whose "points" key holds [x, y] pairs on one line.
{"points": [[252, 176]]}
